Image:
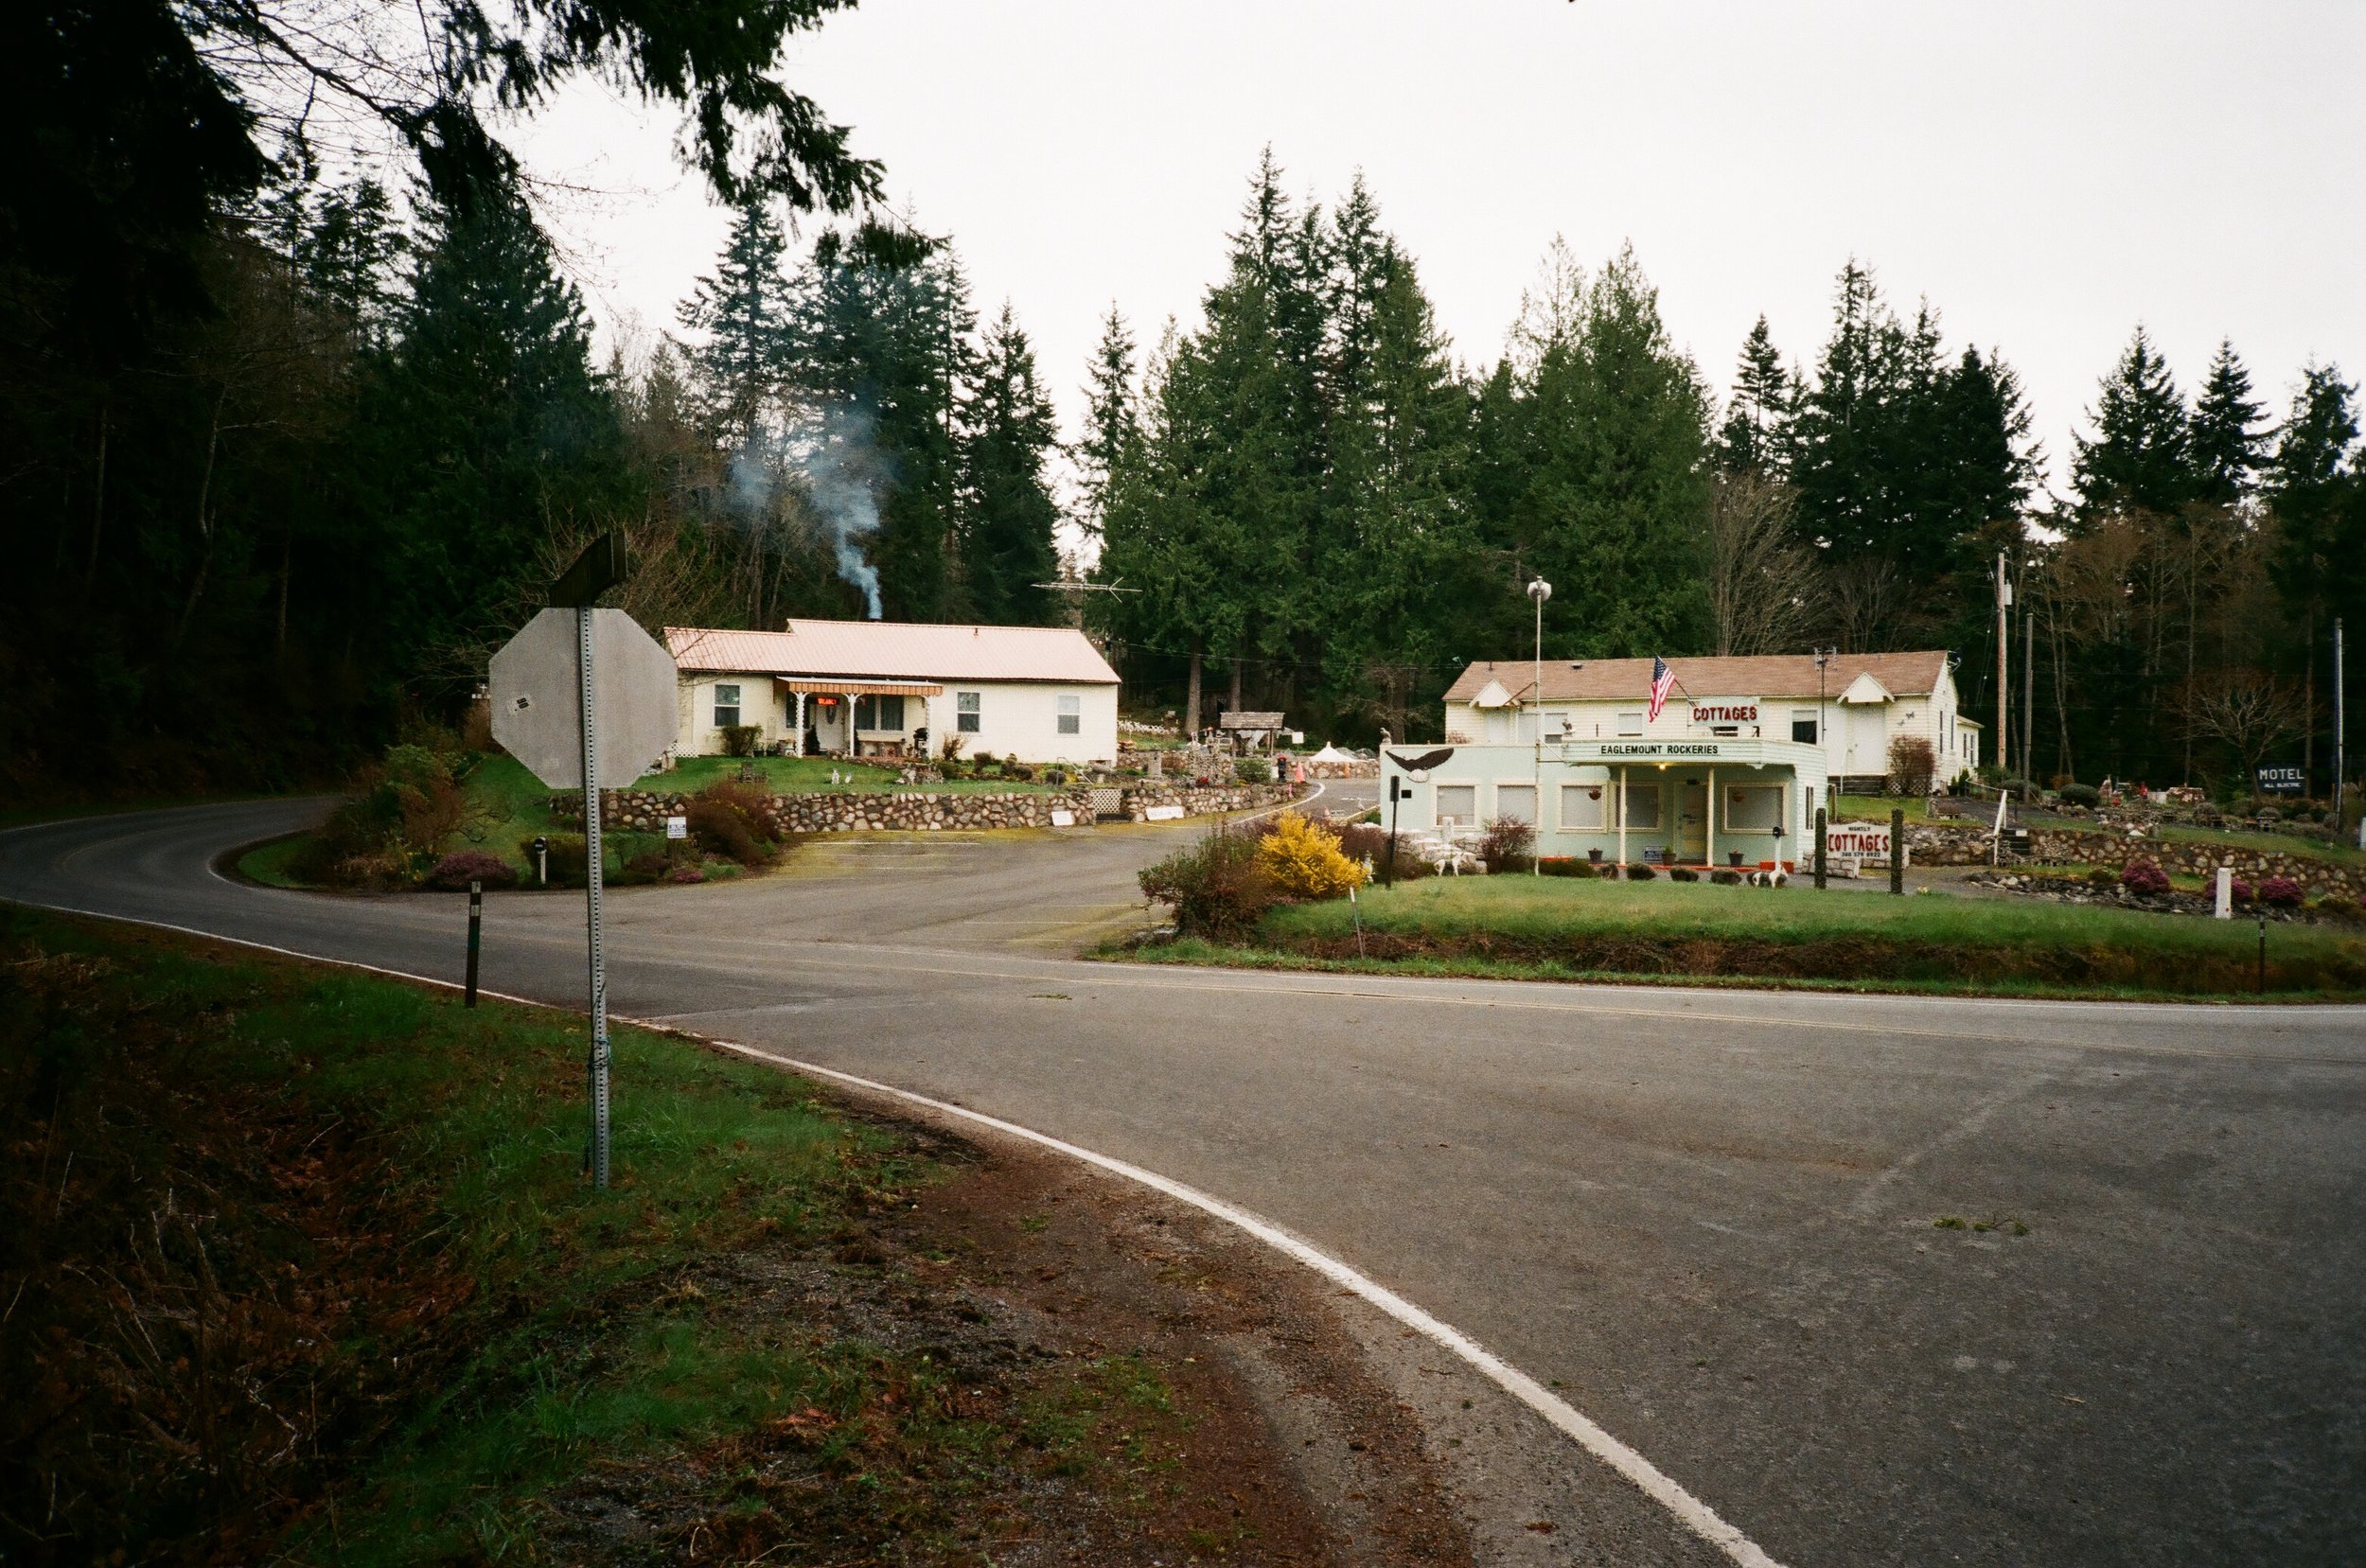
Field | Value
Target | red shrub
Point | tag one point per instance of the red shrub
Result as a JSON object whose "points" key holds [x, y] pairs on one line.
{"points": [[2145, 878], [2280, 892], [454, 872]]}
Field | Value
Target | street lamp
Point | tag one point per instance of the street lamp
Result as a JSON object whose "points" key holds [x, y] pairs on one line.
{"points": [[1540, 591], [1823, 736]]}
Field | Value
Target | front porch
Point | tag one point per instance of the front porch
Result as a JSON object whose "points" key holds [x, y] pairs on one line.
{"points": [[886, 720]]}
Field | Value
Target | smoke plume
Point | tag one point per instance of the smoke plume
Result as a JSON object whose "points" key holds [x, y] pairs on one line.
{"points": [[832, 451]]}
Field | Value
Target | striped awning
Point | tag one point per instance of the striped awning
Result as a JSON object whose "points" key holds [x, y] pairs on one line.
{"points": [[841, 687]]}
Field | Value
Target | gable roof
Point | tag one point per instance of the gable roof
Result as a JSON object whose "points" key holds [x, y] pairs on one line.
{"points": [[1786, 674], [896, 650]]}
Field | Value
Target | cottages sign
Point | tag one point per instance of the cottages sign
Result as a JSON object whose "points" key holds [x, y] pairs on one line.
{"points": [[1865, 842], [1733, 712]]}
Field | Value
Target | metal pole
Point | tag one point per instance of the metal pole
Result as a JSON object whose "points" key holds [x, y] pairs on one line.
{"points": [[2028, 694], [1820, 838], [476, 934], [1536, 848], [2004, 736], [2340, 759], [2263, 952], [595, 1159], [1396, 786], [1898, 850]]}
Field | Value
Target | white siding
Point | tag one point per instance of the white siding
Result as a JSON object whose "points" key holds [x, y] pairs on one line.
{"points": [[1021, 717]]}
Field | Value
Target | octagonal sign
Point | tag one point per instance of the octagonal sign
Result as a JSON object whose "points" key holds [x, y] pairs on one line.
{"points": [[536, 706]]}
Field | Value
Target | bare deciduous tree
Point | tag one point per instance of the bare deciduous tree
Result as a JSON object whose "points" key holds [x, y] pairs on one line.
{"points": [[1870, 603], [1761, 579], [2247, 713]]}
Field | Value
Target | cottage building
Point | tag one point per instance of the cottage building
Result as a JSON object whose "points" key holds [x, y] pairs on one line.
{"points": [[893, 689], [1850, 710]]}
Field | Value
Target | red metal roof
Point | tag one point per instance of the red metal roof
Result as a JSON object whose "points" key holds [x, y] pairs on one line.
{"points": [[896, 650]]}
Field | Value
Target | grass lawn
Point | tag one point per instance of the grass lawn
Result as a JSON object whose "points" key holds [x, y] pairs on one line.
{"points": [[1567, 927], [386, 1321], [1877, 808]]}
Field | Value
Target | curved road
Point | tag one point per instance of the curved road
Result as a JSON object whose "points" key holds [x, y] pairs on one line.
{"points": [[1707, 1218]]}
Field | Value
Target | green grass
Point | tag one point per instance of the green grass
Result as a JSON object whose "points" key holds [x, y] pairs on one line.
{"points": [[1877, 808], [267, 863], [1565, 929]]}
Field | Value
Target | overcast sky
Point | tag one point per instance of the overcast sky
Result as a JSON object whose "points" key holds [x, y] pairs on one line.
{"points": [[2046, 174]]}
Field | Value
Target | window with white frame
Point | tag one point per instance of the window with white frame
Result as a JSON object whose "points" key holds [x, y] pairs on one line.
{"points": [[726, 705], [1582, 808], [1754, 808], [1643, 806], [1802, 725], [1458, 805], [1631, 724], [1071, 715], [1516, 803], [969, 718]]}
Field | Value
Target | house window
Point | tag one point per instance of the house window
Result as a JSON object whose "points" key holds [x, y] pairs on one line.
{"points": [[879, 713], [1516, 803], [1556, 726], [1071, 715], [1643, 806], [1754, 808], [1802, 725], [1457, 805], [1631, 724], [726, 706], [1581, 807], [966, 717]]}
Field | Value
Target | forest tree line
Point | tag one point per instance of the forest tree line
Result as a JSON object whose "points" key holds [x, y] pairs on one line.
{"points": [[285, 454], [1324, 514]]}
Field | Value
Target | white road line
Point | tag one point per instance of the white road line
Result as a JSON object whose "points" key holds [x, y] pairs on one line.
{"points": [[1648, 1478]]}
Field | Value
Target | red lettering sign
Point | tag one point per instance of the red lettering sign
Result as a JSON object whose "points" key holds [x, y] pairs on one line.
{"points": [[1743, 713]]}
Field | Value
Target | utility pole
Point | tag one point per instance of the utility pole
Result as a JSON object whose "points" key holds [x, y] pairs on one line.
{"points": [[2028, 694], [1540, 591], [2340, 757], [2003, 691]]}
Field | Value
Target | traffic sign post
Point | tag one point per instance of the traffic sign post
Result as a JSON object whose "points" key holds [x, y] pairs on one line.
{"points": [[579, 694]]}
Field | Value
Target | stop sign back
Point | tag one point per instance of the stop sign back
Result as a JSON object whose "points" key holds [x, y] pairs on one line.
{"points": [[536, 705]]}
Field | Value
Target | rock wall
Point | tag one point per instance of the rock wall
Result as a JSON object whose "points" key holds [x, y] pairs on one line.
{"points": [[910, 811], [1353, 768], [1947, 844], [1200, 800]]}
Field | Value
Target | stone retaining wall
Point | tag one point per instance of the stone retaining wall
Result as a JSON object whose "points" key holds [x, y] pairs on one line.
{"points": [[1353, 768], [910, 811], [1945, 844]]}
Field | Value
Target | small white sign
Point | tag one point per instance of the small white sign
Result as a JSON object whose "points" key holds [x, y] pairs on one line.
{"points": [[1865, 842], [677, 827], [1061, 819], [1162, 814]]}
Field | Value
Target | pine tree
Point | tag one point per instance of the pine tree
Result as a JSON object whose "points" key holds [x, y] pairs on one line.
{"points": [[1007, 543], [1112, 419], [742, 314], [485, 422], [2137, 457], [1616, 505], [1755, 435], [2308, 490], [2226, 442]]}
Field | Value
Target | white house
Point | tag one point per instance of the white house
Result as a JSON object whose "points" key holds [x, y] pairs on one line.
{"points": [[893, 689], [1850, 710]]}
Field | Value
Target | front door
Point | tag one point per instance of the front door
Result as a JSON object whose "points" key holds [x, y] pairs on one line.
{"points": [[1692, 822]]}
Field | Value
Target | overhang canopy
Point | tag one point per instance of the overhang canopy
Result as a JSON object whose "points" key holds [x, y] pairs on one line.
{"points": [[842, 687]]}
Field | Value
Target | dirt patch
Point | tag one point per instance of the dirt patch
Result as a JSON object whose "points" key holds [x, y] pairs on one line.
{"points": [[1141, 1394]]}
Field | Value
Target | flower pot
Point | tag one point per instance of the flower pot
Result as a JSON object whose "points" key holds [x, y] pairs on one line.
{"points": [[1595, 856], [1733, 858]]}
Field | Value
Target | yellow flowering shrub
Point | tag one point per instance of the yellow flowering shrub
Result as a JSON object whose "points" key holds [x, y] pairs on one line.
{"points": [[1305, 861]]}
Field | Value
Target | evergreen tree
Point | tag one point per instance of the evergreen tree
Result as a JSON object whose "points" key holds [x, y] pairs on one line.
{"points": [[1007, 536], [1112, 419], [2226, 442], [486, 424], [2308, 479], [742, 314], [1755, 435], [1616, 509], [2138, 456]]}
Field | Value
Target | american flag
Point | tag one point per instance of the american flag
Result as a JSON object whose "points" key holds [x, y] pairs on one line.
{"points": [[1662, 681]]}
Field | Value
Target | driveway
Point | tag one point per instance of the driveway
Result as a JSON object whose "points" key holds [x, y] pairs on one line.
{"points": [[1714, 1222]]}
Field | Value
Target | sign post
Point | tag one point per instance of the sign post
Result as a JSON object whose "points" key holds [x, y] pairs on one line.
{"points": [[1822, 837], [579, 694]]}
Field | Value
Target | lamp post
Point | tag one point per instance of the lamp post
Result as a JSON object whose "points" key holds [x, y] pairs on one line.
{"points": [[1540, 591], [1823, 736]]}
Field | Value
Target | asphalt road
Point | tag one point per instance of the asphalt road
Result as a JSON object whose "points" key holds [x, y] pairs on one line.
{"points": [[1706, 1217]]}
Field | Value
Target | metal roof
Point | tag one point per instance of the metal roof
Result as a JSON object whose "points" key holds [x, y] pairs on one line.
{"points": [[896, 650], [1786, 675]]}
